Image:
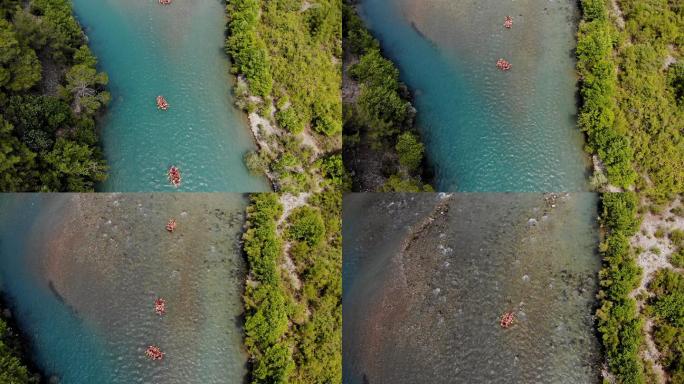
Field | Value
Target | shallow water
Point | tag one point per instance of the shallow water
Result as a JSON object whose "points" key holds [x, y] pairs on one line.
{"points": [[427, 278], [175, 51], [81, 273], [486, 130]]}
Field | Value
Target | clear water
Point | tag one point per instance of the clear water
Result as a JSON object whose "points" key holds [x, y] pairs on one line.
{"points": [[176, 51], [424, 305], [81, 273], [487, 130]]}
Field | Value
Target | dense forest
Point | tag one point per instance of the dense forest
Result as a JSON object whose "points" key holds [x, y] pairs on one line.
{"points": [[618, 320], [13, 369], [50, 93], [286, 54], [382, 148], [293, 292], [632, 89]]}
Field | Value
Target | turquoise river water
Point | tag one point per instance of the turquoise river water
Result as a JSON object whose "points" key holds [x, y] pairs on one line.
{"points": [[427, 277], [175, 51], [487, 130], [81, 273]]}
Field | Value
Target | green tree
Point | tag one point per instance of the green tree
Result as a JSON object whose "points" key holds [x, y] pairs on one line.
{"points": [[410, 151], [15, 160], [82, 83], [19, 65], [306, 224], [74, 167]]}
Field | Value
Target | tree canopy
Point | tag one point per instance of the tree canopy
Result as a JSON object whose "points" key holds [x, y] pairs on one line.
{"points": [[48, 139]]}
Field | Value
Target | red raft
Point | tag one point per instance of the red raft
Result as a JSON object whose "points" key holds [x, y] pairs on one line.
{"points": [[160, 306], [174, 176], [171, 225], [507, 320], [503, 65], [164, 2], [508, 22], [154, 353], [162, 103]]}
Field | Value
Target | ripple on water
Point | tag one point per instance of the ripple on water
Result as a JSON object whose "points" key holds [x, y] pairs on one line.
{"points": [[175, 51], [486, 130], [414, 313], [84, 270]]}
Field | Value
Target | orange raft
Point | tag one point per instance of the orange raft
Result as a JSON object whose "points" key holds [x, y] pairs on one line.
{"points": [[174, 176], [503, 65], [164, 2], [508, 22], [171, 225], [160, 306], [507, 320], [162, 103], [154, 353]]}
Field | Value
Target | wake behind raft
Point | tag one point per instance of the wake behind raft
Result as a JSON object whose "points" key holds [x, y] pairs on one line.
{"points": [[174, 176]]}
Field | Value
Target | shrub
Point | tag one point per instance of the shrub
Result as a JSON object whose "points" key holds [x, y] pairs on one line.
{"points": [[306, 224], [410, 151], [255, 163], [288, 119]]}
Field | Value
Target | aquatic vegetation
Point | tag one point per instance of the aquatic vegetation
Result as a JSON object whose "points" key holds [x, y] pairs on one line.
{"points": [[50, 93], [381, 118], [293, 332]]}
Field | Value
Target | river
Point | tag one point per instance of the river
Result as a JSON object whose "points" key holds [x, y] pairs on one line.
{"points": [[427, 277], [81, 274], [175, 51], [487, 130]]}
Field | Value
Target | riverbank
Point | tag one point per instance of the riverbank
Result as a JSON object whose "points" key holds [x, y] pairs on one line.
{"points": [[630, 112], [383, 150], [50, 96], [16, 365], [290, 88], [293, 313]]}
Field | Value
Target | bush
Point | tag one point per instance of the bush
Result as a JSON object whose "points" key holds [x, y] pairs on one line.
{"points": [[306, 224], [617, 317], [254, 163], [410, 151], [288, 119]]}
